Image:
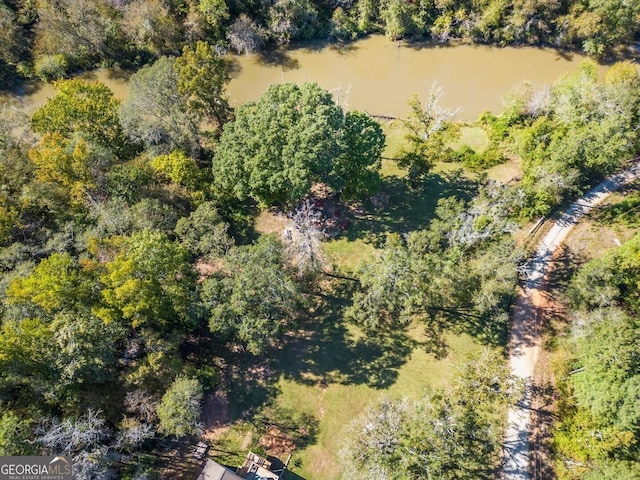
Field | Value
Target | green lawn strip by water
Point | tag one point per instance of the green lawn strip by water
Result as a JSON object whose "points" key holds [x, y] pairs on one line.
{"points": [[474, 137], [395, 138]]}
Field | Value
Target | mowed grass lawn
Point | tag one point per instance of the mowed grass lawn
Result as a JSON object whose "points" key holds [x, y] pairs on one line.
{"points": [[336, 405], [328, 379], [332, 371]]}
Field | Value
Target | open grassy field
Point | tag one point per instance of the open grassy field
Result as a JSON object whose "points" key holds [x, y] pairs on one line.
{"points": [[607, 226], [474, 137]]}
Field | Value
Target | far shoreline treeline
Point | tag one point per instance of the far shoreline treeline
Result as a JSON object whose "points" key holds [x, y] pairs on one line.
{"points": [[51, 39]]}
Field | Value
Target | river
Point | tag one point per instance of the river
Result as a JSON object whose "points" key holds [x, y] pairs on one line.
{"points": [[379, 76]]}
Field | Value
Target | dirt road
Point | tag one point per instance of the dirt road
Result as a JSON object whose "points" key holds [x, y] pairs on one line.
{"points": [[524, 343]]}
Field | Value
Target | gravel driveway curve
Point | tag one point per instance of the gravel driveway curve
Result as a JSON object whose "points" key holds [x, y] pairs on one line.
{"points": [[524, 342]]}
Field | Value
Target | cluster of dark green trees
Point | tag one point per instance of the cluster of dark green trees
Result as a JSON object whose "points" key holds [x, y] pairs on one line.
{"points": [[597, 435], [126, 252], [50, 38]]}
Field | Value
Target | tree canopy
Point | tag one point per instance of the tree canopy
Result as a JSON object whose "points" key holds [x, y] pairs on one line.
{"points": [[290, 138], [179, 410], [256, 299], [85, 108], [432, 437], [156, 113]]}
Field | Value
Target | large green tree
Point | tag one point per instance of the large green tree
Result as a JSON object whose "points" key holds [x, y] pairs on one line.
{"points": [[149, 282], [278, 145], [290, 138], [356, 169], [54, 284], [254, 299]]}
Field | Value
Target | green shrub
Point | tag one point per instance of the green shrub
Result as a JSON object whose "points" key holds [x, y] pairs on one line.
{"points": [[51, 67], [343, 27], [479, 161]]}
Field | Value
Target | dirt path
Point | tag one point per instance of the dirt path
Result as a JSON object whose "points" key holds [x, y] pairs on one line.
{"points": [[524, 343]]}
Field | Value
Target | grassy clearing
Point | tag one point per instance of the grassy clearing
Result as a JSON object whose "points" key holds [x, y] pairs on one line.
{"points": [[394, 132], [608, 226], [269, 222], [334, 375], [475, 138], [337, 405], [348, 254], [506, 172]]}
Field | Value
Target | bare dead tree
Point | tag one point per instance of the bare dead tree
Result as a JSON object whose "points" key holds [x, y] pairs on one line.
{"points": [[133, 434], [69, 436], [245, 36], [429, 117], [141, 404], [539, 102], [302, 239]]}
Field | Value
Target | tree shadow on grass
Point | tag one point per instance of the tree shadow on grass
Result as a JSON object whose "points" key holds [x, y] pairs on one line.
{"points": [[326, 351], [565, 263], [251, 385], [554, 318], [399, 208], [490, 329]]}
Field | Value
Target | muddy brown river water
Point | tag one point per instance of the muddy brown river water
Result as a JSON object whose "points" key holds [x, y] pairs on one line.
{"points": [[379, 76]]}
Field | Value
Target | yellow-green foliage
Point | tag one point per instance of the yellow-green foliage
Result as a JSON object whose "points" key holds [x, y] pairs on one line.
{"points": [[64, 163], [52, 285], [177, 167]]}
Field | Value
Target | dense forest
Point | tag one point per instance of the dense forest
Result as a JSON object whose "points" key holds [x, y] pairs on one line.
{"points": [[51, 38]]}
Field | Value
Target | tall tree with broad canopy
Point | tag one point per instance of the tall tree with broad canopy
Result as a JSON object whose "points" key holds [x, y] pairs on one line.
{"points": [[255, 299], [356, 169], [149, 282], [290, 138]]}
